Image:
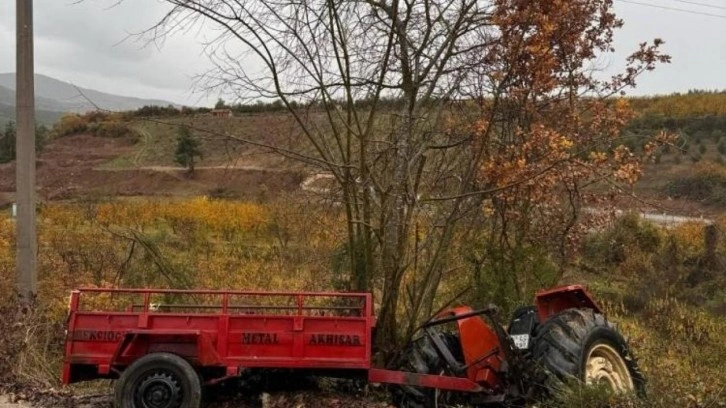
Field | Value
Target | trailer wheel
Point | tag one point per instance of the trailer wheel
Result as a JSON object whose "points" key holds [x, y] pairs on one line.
{"points": [[421, 357], [159, 380], [581, 345]]}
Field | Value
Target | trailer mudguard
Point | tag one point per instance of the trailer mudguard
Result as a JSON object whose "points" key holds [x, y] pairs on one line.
{"points": [[195, 346]]}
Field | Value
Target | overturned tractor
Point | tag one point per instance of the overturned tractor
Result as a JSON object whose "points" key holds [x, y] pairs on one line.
{"points": [[563, 339]]}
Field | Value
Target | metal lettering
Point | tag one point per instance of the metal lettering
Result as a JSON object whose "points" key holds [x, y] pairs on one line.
{"points": [[101, 336], [260, 338], [334, 340]]}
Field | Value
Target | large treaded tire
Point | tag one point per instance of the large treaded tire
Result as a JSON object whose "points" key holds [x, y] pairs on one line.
{"points": [[159, 373], [421, 357], [565, 342]]}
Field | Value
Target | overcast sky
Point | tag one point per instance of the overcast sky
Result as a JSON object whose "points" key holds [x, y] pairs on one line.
{"points": [[83, 43]]}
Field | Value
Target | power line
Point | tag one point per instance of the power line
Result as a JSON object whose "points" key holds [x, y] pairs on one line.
{"points": [[673, 9], [695, 3]]}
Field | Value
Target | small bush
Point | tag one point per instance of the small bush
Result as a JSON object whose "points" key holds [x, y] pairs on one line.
{"points": [[71, 124], [111, 129], [629, 234], [706, 183], [717, 135]]}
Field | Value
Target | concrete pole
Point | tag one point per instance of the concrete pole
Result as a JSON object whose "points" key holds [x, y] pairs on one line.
{"points": [[25, 155]]}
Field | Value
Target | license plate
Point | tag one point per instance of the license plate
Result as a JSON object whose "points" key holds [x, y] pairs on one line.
{"points": [[521, 341]]}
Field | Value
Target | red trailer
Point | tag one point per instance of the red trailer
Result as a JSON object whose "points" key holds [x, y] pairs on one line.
{"points": [[164, 345]]}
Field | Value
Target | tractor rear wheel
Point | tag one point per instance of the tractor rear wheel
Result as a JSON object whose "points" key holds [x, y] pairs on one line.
{"points": [[158, 380], [421, 357], [581, 345]]}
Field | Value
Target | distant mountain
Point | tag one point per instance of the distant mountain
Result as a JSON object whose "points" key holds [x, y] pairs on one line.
{"points": [[54, 97]]}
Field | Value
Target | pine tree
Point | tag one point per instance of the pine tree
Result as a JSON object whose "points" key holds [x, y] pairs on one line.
{"points": [[722, 146], [187, 148], [7, 143]]}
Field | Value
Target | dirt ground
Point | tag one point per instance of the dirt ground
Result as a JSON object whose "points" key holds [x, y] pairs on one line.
{"points": [[273, 389], [277, 400], [5, 402], [70, 168]]}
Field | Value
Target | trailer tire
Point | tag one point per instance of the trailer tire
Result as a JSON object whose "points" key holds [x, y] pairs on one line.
{"points": [[581, 345], [159, 379], [421, 357]]}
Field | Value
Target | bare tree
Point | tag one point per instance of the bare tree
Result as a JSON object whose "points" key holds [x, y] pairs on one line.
{"points": [[405, 102]]}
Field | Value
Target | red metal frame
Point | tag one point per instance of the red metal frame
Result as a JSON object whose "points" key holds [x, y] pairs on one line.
{"points": [[483, 354], [552, 301], [377, 375]]}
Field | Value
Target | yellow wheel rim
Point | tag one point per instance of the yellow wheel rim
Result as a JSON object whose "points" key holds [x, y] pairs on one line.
{"points": [[607, 367]]}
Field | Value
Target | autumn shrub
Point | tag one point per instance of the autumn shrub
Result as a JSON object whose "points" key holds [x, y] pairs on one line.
{"points": [[100, 124], [70, 124], [706, 183], [109, 129]]}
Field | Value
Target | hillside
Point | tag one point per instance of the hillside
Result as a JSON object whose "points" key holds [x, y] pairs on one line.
{"points": [[701, 142], [53, 97]]}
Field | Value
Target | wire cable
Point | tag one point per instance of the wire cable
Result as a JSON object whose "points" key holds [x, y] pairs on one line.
{"points": [[695, 3], [673, 9]]}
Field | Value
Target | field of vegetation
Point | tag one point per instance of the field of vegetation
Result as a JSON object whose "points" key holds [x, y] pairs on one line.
{"points": [[664, 287]]}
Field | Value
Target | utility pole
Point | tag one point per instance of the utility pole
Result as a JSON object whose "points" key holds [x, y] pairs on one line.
{"points": [[25, 155]]}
